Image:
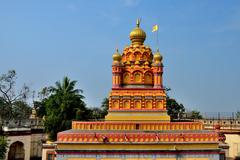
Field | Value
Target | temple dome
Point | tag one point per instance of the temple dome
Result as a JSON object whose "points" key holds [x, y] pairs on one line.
{"points": [[116, 56], [157, 56], [137, 35], [137, 51]]}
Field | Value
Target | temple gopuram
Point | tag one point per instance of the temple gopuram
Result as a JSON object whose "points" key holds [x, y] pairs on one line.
{"points": [[137, 126]]}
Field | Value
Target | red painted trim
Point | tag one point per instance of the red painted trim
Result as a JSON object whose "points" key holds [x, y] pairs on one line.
{"points": [[48, 147], [138, 133], [64, 137]]}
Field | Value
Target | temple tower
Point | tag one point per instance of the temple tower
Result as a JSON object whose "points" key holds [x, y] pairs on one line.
{"points": [[137, 126], [137, 90]]}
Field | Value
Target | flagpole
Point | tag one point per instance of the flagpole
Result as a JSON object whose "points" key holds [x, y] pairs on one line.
{"points": [[157, 41], [155, 29]]}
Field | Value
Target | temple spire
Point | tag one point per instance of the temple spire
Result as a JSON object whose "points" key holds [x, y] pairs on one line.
{"points": [[137, 35], [138, 22]]}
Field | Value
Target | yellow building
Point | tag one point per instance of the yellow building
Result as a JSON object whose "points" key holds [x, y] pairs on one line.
{"points": [[137, 126]]}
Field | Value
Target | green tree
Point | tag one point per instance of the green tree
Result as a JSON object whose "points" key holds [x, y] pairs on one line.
{"points": [[96, 113], [100, 113], [40, 108], [194, 114], [238, 114], [9, 97], [174, 109], [21, 110], [64, 104], [104, 107], [3, 146], [40, 104]]}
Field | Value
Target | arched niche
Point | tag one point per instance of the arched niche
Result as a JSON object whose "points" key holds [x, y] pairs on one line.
{"points": [[159, 104], [126, 77], [126, 104], [148, 104], [115, 105], [148, 78], [137, 77], [137, 104], [16, 151]]}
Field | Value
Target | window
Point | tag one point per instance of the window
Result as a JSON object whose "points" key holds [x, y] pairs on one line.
{"points": [[50, 155]]}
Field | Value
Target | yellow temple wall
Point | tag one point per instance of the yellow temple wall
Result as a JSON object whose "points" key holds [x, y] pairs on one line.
{"points": [[138, 104], [137, 116], [148, 147], [137, 100], [136, 126], [233, 140]]}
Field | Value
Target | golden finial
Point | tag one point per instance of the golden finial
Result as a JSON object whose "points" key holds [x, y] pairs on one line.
{"points": [[137, 35], [116, 56], [138, 22], [157, 56]]}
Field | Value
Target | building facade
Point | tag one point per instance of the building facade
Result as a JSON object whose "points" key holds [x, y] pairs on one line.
{"points": [[230, 128], [25, 138], [137, 126]]}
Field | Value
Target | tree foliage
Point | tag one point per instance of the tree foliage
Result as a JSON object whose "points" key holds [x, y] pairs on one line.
{"points": [[238, 115], [64, 104], [3, 146], [195, 115], [100, 112], [40, 108], [40, 104], [105, 106], [96, 113], [10, 100], [174, 109], [21, 110]]}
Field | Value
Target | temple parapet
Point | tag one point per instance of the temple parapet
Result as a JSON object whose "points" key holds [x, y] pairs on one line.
{"points": [[141, 126]]}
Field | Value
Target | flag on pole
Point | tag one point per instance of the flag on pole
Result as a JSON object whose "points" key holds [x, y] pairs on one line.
{"points": [[155, 28]]}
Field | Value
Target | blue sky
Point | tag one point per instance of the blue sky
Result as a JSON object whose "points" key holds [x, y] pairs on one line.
{"points": [[46, 40]]}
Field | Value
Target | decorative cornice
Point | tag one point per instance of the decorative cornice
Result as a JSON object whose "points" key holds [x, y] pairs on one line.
{"points": [[137, 137]]}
